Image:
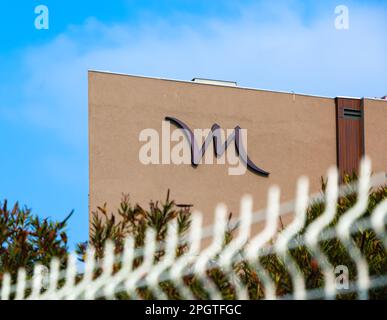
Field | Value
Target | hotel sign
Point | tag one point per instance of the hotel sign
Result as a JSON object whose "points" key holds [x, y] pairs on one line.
{"points": [[192, 153], [219, 148]]}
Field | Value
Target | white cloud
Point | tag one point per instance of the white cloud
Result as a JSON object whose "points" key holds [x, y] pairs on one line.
{"points": [[271, 49]]}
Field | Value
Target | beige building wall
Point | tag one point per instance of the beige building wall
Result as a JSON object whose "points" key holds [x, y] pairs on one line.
{"points": [[288, 135], [375, 133]]}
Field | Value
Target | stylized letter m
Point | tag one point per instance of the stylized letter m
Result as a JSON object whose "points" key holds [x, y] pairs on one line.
{"points": [[219, 148]]}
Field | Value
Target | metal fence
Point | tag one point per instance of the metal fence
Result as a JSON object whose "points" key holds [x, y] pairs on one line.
{"points": [[246, 247]]}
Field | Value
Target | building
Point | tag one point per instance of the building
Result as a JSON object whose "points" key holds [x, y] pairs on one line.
{"points": [[288, 135]]}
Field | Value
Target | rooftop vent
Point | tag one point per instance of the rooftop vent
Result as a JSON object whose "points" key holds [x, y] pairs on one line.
{"points": [[352, 113], [215, 82]]}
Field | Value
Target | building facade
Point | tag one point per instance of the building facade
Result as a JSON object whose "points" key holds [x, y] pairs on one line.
{"points": [[288, 135]]}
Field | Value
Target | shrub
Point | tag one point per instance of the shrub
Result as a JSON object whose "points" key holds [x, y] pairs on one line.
{"points": [[134, 221], [26, 239]]}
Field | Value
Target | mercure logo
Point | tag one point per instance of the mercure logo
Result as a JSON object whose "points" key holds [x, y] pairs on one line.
{"points": [[190, 153]]}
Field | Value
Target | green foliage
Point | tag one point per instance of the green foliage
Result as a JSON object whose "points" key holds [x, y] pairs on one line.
{"points": [[134, 221], [26, 239]]}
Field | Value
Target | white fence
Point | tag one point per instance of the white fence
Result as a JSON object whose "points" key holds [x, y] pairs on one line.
{"points": [[64, 284]]}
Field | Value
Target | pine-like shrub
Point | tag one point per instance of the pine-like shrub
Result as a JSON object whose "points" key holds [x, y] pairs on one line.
{"points": [[133, 220], [26, 239]]}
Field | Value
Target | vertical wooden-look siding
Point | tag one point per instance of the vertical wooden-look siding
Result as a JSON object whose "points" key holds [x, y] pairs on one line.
{"points": [[350, 135]]}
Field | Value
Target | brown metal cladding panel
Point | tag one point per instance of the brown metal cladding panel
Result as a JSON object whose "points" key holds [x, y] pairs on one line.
{"points": [[350, 135]]}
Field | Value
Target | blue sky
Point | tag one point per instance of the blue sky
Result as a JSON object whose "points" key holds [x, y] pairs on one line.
{"points": [[279, 45]]}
